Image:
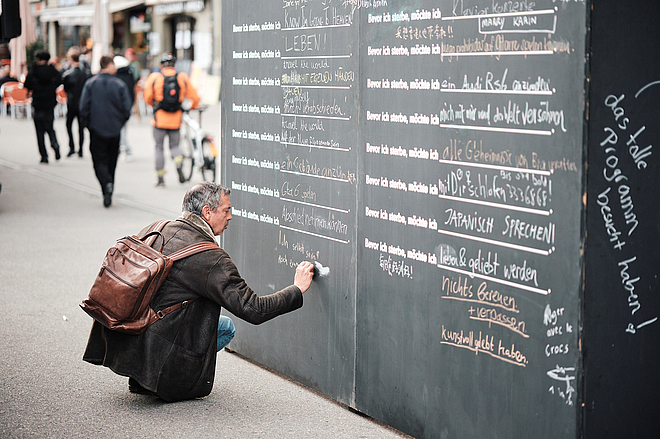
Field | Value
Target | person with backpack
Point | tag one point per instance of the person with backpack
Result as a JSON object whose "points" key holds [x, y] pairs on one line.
{"points": [[165, 91], [175, 356]]}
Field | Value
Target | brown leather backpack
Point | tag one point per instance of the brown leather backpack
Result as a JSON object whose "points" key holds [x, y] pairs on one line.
{"points": [[132, 271]]}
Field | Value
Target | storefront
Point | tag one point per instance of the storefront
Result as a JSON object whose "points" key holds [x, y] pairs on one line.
{"points": [[184, 28], [131, 27], [66, 23], [150, 27]]}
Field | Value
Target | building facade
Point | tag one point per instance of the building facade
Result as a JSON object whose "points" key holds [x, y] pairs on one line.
{"points": [[189, 29]]}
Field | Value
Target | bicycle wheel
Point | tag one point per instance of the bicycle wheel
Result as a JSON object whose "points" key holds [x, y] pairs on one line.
{"points": [[188, 163], [208, 153]]}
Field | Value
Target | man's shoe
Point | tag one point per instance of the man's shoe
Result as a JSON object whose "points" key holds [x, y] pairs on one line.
{"points": [[107, 197], [80, 153], [135, 387], [71, 152], [44, 160], [57, 154], [179, 170], [160, 182]]}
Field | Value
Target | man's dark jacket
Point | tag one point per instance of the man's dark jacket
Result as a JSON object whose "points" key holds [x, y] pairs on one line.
{"points": [[43, 80], [126, 75], [175, 357], [105, 105], [74, 81]]}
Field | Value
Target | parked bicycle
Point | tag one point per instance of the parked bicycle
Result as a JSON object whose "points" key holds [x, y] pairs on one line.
{"points": [[198, 148]]}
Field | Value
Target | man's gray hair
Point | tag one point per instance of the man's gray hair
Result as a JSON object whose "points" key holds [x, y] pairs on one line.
{"points": [[204, 194]]}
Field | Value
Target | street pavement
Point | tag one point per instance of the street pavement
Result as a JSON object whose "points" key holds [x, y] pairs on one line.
{"points": [[54, 232]]}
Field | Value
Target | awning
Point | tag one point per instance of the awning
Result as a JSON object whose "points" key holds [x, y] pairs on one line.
{"points": [[82, 15], [160, 2], [123, 5], [72, 16]]}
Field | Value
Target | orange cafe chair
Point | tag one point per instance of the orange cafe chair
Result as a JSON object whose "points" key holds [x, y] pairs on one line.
{"points": [[5, 99], [61, 107], [17, 98]]}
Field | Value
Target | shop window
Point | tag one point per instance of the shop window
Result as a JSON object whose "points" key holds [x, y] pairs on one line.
{"points": [[183, 27]]}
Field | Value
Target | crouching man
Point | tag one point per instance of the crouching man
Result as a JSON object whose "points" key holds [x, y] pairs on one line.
{"points": [[175, 357]]}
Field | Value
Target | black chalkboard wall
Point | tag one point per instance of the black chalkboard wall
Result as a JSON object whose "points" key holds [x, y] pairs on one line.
{"points": [[433, 155], [622, 300]]}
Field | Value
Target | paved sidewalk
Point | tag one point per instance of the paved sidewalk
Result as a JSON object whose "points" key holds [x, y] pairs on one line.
{"points": [[54, 232]]}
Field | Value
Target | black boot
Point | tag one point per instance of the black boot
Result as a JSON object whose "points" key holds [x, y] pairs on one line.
{"points": [[135, 387], [107, 196]]}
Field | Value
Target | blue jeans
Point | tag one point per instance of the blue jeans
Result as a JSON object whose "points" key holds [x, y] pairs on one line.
{"points": [[225, 332]]}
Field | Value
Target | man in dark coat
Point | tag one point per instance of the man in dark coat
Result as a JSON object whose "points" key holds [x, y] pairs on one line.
{"points": [[175, 357], [43, 79], [105, 106], [74, 80]]}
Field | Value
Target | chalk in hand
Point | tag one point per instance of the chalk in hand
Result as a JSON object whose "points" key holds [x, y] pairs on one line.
{"points": [[320, 270]]}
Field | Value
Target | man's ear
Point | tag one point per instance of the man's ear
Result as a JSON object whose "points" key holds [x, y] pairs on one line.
{"points": [[206, 210]]}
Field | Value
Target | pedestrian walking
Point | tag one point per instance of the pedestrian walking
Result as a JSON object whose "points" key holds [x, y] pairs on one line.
{"points": [[132, 57], [85, 60], [105, 106], [74, 79], [164, 91], [42, 81], [125, 73], [175, 357]]}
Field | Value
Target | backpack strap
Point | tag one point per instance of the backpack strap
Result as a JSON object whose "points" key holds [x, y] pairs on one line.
{"points": [[162, 313], [183, 91], [153, 94], [154, 233], [190, 250], [193, 249], [159, 226]]}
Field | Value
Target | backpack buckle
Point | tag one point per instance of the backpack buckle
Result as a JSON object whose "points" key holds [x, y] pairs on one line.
{"points": [[160, 314]]}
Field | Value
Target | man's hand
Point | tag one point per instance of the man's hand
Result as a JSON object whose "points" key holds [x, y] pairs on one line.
{"points": [[304, 275]]}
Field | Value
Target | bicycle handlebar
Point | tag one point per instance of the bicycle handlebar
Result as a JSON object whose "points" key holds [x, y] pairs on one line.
{"points": [[201, 109]]}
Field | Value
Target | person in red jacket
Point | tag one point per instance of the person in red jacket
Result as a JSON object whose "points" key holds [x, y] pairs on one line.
{"points": [[167, 119]]}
